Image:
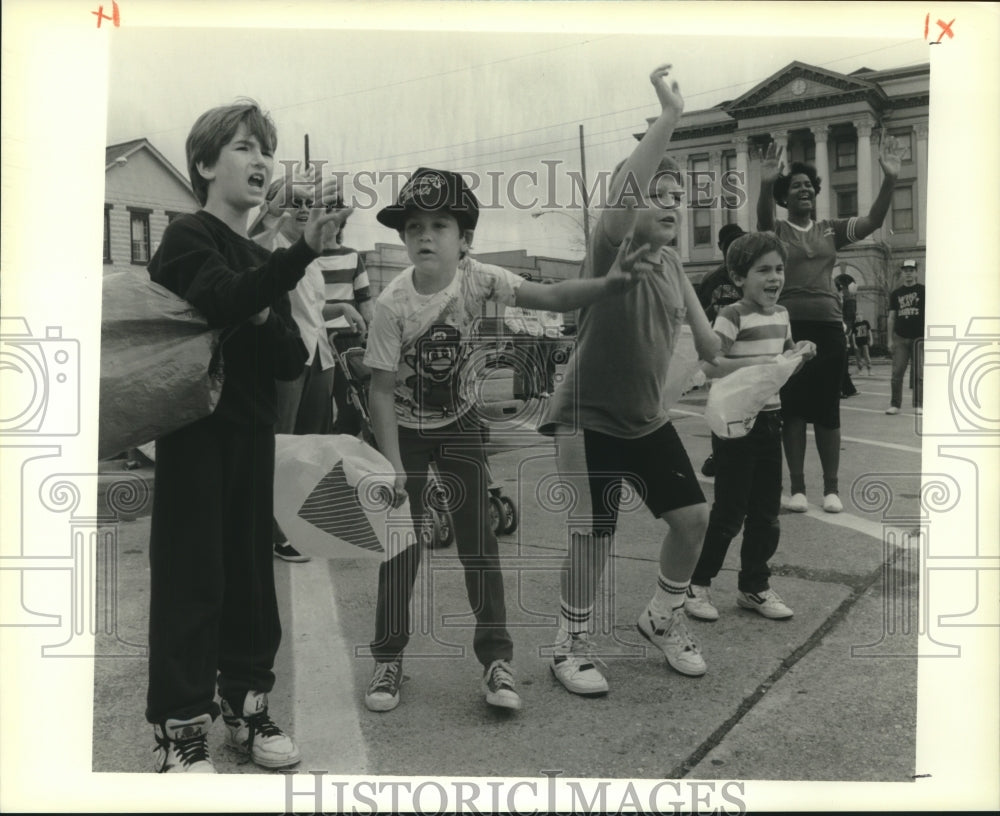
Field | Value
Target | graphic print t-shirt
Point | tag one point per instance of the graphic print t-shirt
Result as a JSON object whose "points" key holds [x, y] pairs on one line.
{"points": [[425, 340], [908, 304], [862, 330]]}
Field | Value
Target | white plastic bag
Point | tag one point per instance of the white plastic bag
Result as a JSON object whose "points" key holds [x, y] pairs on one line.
{"points": [[736, 399]]}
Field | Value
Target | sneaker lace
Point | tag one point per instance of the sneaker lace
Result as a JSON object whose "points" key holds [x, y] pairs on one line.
{"points": [[384, 678], [261, 723], [501, 675], [190, 751], [679, 628], [582, 647]]}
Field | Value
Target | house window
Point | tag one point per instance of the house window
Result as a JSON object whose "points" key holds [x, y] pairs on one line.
{"points": [[904, 142], [902, 209], [847, 154], [730, 180], [702, 222], [107, 233], [140, 236], [847, 203]]}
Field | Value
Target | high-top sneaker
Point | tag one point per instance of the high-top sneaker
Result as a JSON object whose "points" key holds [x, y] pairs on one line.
{"points": [[255, 734], [182, 746]]}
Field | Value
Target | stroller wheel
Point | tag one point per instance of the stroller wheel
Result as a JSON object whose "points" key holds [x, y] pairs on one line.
{"points": [[496, 516], [508, 516]]}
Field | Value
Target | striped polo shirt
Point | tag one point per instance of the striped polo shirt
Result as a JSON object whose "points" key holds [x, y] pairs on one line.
{"points": [[746, 331], [345, 278]]}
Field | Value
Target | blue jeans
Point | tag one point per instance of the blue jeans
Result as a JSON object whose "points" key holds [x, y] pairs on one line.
{"points": [[903, 350], [748, 495]]}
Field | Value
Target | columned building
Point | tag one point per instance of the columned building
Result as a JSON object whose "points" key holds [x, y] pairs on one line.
{"points": [[836, 123]]}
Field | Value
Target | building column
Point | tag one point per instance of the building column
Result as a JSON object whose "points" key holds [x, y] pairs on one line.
{"points": [[715, 168], [865, 173], [743, 167], [821, 134], [920, 206]]}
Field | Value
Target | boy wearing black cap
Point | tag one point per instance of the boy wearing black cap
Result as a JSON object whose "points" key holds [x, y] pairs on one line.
{"points": [[420, 400]]}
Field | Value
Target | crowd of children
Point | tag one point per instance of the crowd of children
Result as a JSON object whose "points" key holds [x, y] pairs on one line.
{"points": [[213, 612]]}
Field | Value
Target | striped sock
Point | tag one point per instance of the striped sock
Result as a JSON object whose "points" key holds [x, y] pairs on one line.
{"points": [[669, 596], [573, 621]]}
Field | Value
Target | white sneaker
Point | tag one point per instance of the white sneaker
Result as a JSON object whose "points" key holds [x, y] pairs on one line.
{"points": [[255, 734], [383, 689], [831, 503], [498, 683], [698, 603], [797, 503], [670, 635], [182, 746], [892, 409], [573, 665], [767, 603]]}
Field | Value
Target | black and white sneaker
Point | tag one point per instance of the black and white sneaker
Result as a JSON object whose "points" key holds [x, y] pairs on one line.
{"points": [[182, 746], [286, 552]]}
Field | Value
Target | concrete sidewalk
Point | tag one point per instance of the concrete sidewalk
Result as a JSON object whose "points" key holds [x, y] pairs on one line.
{"points": [[805, 699]]}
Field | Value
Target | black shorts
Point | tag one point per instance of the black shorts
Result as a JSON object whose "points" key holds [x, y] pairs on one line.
{"points": [[813, 393], [593, 465]]}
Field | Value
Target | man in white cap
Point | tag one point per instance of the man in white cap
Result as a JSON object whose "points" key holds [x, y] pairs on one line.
{"points": [[906, 331]]}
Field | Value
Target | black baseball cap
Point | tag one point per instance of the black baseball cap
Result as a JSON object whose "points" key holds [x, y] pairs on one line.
{"points": [[433, 190]]}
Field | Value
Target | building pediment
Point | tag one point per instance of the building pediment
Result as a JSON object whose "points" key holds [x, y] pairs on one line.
{"points": [[799, 87]]}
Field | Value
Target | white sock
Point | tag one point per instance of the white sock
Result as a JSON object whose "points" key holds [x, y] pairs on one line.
{"points": [[573, 621], [669, 595]]}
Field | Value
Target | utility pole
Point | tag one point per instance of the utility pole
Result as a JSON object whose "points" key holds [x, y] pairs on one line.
{"points": [[586, 195]]}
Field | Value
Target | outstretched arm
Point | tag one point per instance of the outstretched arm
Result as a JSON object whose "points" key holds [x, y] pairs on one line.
{"points": [[891, 159], [568, 295], [637, 172], [770, 169]]}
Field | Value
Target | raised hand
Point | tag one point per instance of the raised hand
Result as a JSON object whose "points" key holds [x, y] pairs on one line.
{"points": [[891, 156], [771, 164], [667, 91], [319, 219], [630, 265]]}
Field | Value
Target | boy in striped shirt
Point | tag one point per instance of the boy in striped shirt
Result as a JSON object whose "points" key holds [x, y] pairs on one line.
{"points": [[753, 331]]}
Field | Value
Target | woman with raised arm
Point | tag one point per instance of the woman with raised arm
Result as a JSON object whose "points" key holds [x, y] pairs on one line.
{"points": [[813, 394]]}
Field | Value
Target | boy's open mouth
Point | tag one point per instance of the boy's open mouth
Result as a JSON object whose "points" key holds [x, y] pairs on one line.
{"points": [[257, 180], [772, 290]]}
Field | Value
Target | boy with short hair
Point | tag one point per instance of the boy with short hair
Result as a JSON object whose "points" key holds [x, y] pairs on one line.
{"points": [[608, 414], [907, 304], [753, 331], [422, 410], [213, 611], [862, 339]]}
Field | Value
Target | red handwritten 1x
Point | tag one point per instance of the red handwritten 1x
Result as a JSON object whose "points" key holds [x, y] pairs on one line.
{"points": [[115, 17], [945, 28]]}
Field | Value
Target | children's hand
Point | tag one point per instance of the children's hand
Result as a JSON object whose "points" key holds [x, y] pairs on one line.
{"points": [[398, 490], [668, 92], [260, 318], [630, 265], [319, 219], [891, 156], [807, 348], [347, 311], [771, 165]]}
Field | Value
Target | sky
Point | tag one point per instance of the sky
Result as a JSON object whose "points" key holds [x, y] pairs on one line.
{"points": [[386, 86], [378, 102]]}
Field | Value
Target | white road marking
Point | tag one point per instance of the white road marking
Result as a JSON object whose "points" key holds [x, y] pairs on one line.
{"points": [[327, 727]]}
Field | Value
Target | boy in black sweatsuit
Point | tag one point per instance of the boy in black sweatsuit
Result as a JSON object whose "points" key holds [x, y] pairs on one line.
{"points": [[213, 607]]}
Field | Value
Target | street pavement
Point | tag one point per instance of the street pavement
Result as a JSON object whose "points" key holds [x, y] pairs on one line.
{"points": [[822, 696]]}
